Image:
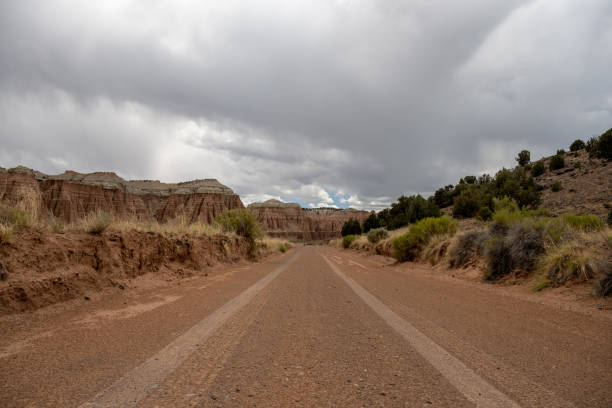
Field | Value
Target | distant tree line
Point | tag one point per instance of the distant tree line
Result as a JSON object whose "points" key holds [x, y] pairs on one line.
{"points": [[474, 196]]}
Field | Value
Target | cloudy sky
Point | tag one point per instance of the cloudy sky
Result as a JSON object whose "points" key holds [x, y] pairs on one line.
{"points": [[346, 102]]}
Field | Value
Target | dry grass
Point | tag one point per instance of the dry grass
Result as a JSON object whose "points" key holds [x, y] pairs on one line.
{"points": [[6, 234], [276, 243], [568, 262], [97, 222], [177, 226]]}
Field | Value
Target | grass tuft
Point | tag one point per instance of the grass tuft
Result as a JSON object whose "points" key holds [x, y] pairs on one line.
{"points": [[97, 222]]}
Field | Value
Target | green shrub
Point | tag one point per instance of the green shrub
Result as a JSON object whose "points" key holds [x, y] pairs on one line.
{"points": [[407, 210], [485, 213], [97, 222], [467, 203], [577, 165], [610, 218], [605, 145], [592, 146], [538, 169], [377, 234], [561, 152], [407, 246], [370, 223], [351, 227], [556, 187], [577, 145], [557, 162], [347, 240], [242, 222], [523, 158], [585, 223], [282, 248]]}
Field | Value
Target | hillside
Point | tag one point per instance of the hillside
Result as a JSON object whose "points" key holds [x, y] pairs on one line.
{"points": [[290, 220], [586, 185]]}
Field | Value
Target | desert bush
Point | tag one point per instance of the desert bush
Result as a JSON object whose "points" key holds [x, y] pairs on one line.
{"points": [[561, 152], [6, 234], [351, 227], [498, 259], [407, 246], [538, 169], [282, 248], [443, 196], [407, 210], [584, 223], [467, 203], [485, 213], [371, 223], [526, 244], [556, 162], [577, 145], [97, 222], [523, 158], [519, 249], [556, 187], [466, 247], [609, 218], [591, 146], [377, 234], [603, 287], [240, 221], [347, 240], [577, 165], [604, 147], [13, 217], [560, 265]]}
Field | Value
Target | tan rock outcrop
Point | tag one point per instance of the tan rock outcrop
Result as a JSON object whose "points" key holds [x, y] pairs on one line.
{"points": [[72, 195], [289, 220]]}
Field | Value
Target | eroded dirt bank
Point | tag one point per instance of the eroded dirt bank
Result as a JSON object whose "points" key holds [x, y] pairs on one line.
{"points": [[40, 268]]}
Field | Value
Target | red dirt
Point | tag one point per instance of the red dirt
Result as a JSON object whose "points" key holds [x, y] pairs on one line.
{"points": [[45, 268]]}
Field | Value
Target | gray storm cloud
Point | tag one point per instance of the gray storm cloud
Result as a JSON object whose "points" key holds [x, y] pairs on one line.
{"points": [[334, 103]]}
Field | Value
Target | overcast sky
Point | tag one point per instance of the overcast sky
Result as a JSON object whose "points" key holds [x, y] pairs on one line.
{"points": [[321, 102]]}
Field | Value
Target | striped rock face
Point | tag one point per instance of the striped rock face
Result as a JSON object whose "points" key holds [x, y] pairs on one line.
{"points": [[289, 220], [72, 195]]}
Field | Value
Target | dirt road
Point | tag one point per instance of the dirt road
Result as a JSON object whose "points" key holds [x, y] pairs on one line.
{"points": [[313, 327]]}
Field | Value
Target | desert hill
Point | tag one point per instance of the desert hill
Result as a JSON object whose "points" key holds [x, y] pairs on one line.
{"points": [[585, 182], [290, 220]]}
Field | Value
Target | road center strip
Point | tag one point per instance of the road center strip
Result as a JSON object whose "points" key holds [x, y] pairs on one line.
{"points": [[464, 379], [140, 381]]}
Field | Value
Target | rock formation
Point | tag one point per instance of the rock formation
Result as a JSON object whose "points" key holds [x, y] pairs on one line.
{"points": [[72, 195], [289, 220]]}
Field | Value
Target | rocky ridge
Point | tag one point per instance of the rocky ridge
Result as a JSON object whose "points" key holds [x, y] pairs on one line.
{"points": [[291, 221], [71, 195]]}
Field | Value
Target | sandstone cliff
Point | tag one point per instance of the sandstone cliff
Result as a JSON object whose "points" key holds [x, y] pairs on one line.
{"points": [[72, 195], [289, 220]]}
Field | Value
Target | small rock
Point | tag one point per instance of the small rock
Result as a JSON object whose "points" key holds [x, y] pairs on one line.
{"points": [[213, 396], [237, 389], [86, 298], [3, 275], [383, 394]]}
